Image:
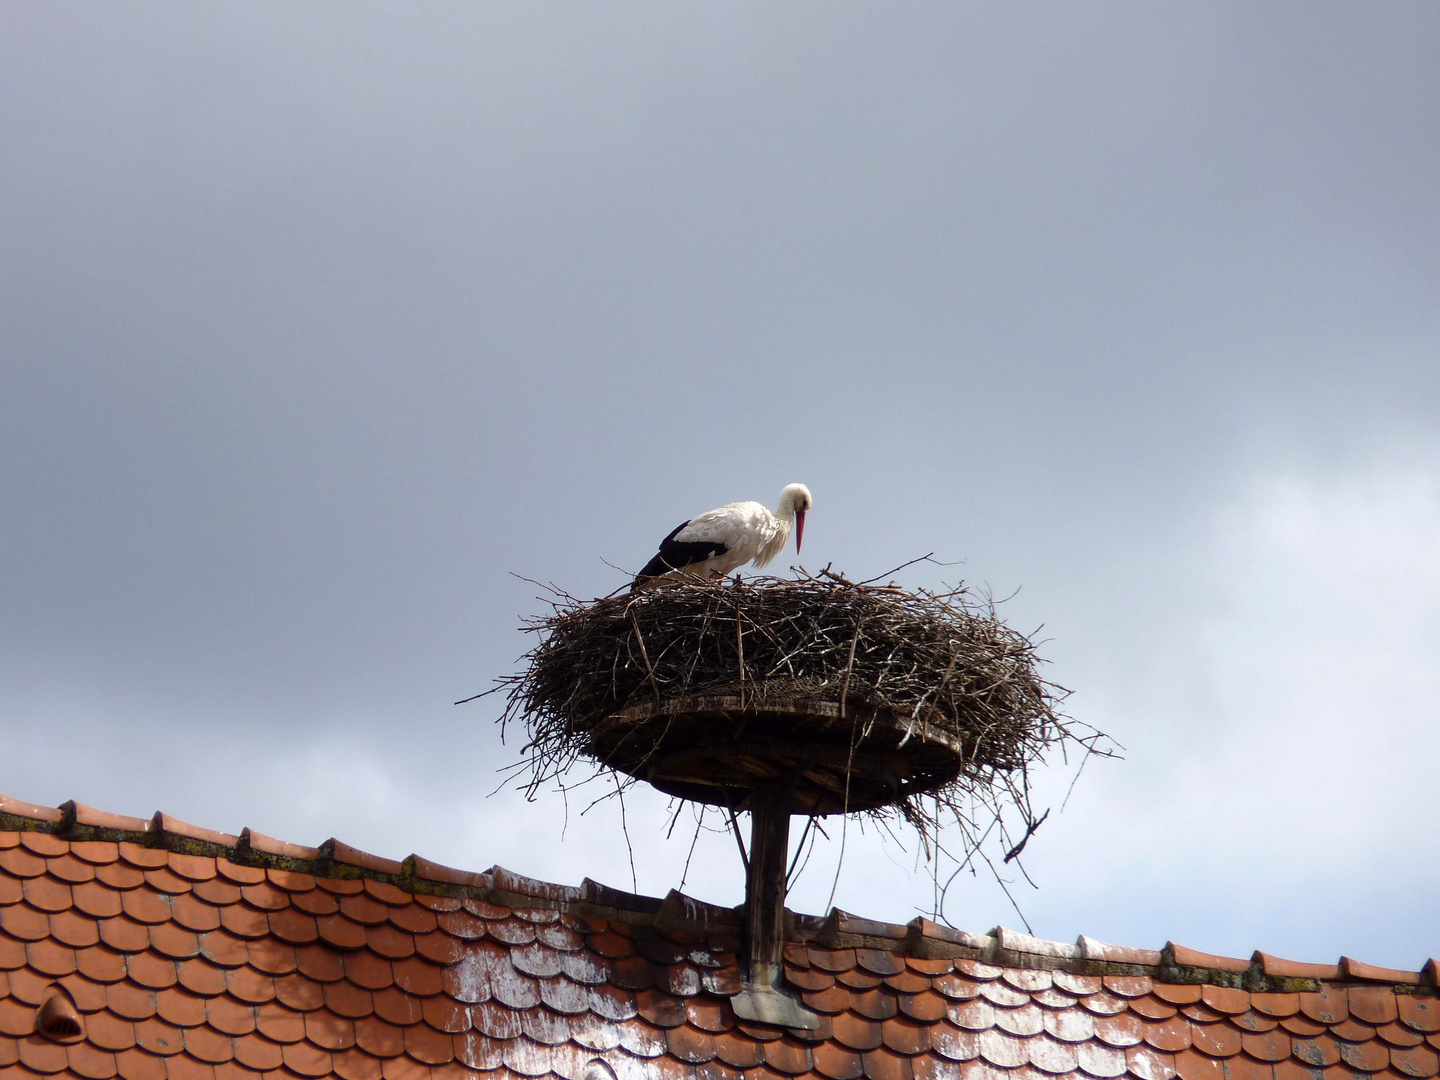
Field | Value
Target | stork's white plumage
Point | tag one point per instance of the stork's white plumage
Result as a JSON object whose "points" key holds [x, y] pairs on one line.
{"points": [[718, 541]]}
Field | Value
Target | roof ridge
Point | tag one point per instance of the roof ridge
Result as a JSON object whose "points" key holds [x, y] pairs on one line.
{"points": [[838, 930]]}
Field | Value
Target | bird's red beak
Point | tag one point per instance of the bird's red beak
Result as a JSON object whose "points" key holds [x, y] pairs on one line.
{"points": [[799, 530]]}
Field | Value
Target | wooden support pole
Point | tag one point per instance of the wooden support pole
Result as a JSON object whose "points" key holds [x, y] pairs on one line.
{"points": [[764, 997], [765, 886]]}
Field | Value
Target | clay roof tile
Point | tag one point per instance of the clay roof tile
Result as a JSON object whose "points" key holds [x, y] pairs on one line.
{"points": [[1187, 957], [1014, 941], [252, 841], [1092, 949], [162, 823], [1276, 967], [29, 811], [1354, 969], [184, 960], [341, 852]]}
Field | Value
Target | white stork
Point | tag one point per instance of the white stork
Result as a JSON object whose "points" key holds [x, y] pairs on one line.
{"points": [[717, 541]]}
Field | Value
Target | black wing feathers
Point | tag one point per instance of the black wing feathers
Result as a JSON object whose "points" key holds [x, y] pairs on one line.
{"points": [[677, 554]]}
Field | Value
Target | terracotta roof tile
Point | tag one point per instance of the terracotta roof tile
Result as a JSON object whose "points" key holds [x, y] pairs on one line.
{"points": [[1274, 966], [1355, 969], [1420, 1061], [240, 875], [1099, 950], [1194, 958], [1328, 1005], [187, 962]]}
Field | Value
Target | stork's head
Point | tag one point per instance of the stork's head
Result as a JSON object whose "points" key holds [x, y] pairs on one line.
{"points": [[795, 502]]}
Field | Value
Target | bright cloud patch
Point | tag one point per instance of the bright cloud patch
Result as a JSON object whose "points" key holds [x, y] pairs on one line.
{"points": [[1282, 732]]}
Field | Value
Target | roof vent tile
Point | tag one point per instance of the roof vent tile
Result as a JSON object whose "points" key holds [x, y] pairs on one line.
{"points": [[59, 1021]]}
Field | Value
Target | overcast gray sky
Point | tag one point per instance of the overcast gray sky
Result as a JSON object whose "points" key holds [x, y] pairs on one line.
{"points": [[317, 321]]}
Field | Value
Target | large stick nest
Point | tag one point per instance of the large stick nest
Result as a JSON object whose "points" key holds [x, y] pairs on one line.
{"points": [[931, 686]]}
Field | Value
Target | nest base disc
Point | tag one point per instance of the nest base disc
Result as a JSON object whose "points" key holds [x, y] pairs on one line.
{"points": [[716, 749]]}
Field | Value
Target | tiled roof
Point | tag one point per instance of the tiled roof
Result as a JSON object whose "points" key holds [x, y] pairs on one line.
{"points": [[189, 953]]}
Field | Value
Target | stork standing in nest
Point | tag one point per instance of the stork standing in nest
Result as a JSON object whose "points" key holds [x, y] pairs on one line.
{"points": [[714, 543]]}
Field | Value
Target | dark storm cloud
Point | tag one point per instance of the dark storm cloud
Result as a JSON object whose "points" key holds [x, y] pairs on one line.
{"points": [[316, 322]]}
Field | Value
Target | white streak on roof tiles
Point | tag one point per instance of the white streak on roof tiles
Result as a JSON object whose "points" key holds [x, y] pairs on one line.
{"points": [[1052, 1056], [630, 1068], [536, 959], [595, 1032], [1018, 942], [954, 1044], [1024, 1021], [642, 1040], [1053, 998], [514, 989], [975, 1014], [605, 1003], [1028, 979], [469, 980], [682, 980], [1101, 1061], [1005, 996], [564, 996], [496, 1020], [526, 1057], [1000, 1049], [977, 970], [1071, 1025], [545, 1027], [585, 967], [1149, 1065]]}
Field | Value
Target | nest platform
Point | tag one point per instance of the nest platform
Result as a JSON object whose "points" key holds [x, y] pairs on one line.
{"points": [[717, 749], [862, 697]]}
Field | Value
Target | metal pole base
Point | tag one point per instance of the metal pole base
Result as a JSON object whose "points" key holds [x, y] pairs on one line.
{"points": [[770, 1005]]}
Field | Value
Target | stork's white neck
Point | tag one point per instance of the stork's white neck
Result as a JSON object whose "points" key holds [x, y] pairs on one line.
{"points": [[795, 498]]}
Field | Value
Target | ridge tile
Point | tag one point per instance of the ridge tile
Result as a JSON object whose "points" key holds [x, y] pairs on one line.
{"points": [[250, 840], [1187, 957], [30, 811], [1091, 949], [1014, 941], [1275, 967], [423, 868], [88, 816], [1354, 969], [163, 823], [341, 852]]}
